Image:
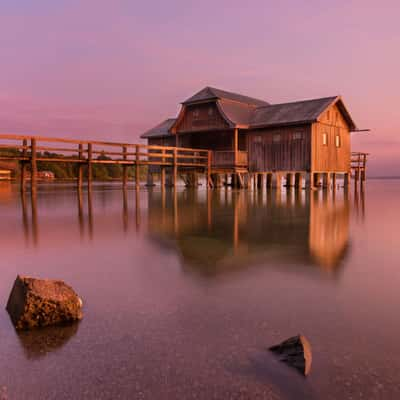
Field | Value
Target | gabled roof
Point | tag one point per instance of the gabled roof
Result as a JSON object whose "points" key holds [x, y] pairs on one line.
{"points": [[210, 93], [290, 113], [246, 112], [160, 130]]}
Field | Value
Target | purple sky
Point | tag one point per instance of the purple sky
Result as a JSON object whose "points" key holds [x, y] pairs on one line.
{"points": [[111, 69]]}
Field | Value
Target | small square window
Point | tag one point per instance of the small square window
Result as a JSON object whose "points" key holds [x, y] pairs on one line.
{"points": [[338, 141], [325, 139], [276, 138], [257, 139], [297, 135]]}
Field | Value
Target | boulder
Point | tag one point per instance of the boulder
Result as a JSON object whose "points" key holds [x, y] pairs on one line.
{"points": [[41, 302], [296, 352]]}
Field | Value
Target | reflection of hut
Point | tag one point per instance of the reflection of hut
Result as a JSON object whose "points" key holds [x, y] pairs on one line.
{"points": [[227, 230], [329, 232]]}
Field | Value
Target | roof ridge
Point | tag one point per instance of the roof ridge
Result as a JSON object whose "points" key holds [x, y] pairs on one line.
{"points": [[300, 101]]}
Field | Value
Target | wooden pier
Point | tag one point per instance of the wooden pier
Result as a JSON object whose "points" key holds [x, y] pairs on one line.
{"points": [[171, 163], [29, 150]]}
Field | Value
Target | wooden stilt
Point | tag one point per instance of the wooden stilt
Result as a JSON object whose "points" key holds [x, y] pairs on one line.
{"points": [[80, 167], [33, 166], [346, 180], [334, 180], [326, 180], [89, 166], [316, 179], [137, 168], [124, 167], [175, 169], [298, 180], [162, 178], [269, 181]]}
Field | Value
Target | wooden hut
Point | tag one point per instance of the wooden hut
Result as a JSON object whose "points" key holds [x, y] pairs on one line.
{"points": [[251, 137]]}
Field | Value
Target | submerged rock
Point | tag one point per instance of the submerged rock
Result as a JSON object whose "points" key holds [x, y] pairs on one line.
{"points": [[41, 302], [296, 352]]}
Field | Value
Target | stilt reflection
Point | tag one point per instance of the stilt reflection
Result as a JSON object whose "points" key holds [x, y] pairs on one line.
{"points": [[221, 231]]}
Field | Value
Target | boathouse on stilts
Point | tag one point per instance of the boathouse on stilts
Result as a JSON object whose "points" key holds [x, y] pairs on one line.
{"points": [[257, 144]]}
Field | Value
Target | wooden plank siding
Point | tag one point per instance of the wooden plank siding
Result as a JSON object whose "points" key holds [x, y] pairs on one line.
{"points": [[280, 149], [198, 117], [330, 157]]}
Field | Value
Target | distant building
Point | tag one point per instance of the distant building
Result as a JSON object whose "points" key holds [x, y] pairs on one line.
{"points": [[48, 175]]}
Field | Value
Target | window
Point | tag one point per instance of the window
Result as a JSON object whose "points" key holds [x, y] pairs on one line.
{"points": [[328, 115], [196, 113], [276, 138], [210, 112], [338, 142], [297, 135], [325, 139], [257, 139]]}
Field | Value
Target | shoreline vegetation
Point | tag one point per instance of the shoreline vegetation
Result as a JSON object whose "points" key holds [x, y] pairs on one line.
{"points": [[69, 171]]}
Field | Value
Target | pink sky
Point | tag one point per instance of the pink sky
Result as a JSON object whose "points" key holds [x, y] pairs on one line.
{"points": [[111, 69]]}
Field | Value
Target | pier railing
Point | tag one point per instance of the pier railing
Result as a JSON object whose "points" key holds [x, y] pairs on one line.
{"points": [[358, 165], [29, 150]]}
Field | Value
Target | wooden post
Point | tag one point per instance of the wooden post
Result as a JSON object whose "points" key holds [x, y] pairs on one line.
{"points": [[334, 180], [175, 169], [326, 180], [33, 165], [89, 165], [80, 167], [269, 181], [209, 163], [23, 166], [289, 180], [277, 182], [162, 178], [298, 180], [260, 178], [124, 167], [346, 180], [236, 145], [137, 170], [316, 179]]}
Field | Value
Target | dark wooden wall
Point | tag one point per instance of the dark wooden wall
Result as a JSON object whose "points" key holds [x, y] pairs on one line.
{"points": [[280, 149], [198, 117]]}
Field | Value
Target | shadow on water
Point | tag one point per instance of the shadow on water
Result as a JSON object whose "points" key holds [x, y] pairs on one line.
{"points": [[266, 369], [38, 343]]}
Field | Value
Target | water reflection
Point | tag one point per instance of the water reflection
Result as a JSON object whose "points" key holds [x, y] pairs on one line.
{"points": [[39, 342], [221, 231]]}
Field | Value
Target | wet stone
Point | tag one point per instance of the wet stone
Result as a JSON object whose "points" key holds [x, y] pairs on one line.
{"points": [[296, 352], [36, 303]]}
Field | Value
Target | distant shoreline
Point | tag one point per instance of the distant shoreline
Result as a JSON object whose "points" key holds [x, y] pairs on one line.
{"points": [[383, 177]]}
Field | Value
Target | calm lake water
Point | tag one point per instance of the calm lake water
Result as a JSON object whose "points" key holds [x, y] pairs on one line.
{"points": [[184, 292]]}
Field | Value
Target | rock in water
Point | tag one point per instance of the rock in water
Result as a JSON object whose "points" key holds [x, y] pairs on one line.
{"points": [[295, 352], [42, 302]]}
